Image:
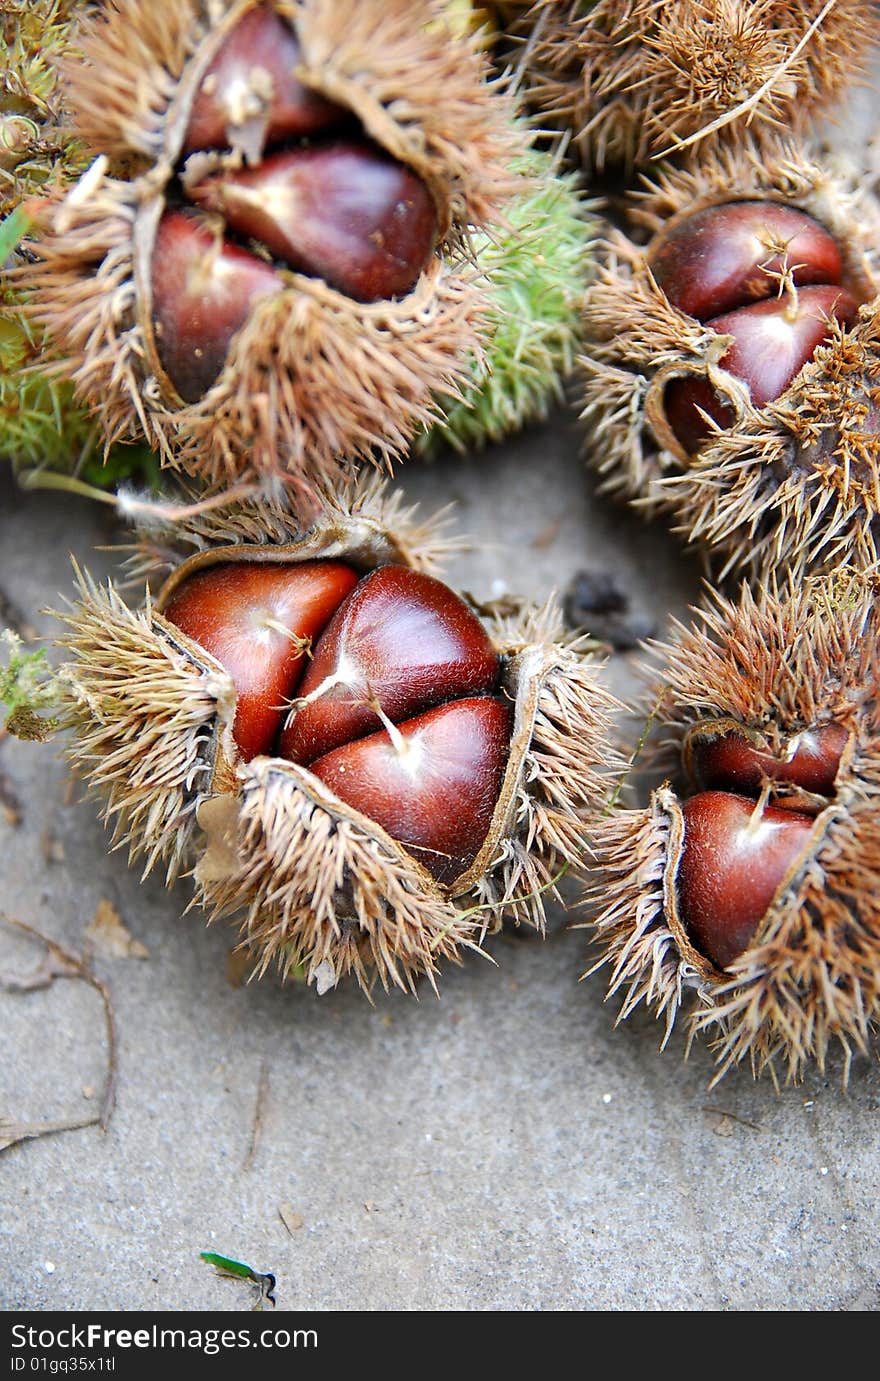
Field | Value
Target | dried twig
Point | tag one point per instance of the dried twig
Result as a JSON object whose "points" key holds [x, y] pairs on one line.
{"points": [[60, 963]]}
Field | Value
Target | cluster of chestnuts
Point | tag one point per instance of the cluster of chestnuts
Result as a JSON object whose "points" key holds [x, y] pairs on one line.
{"points": [[307, 237], [335, 741], [731, 373], [265, 267], [749, 879]]}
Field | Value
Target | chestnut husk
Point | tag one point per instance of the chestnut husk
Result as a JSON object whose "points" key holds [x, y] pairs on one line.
{"points": [[318, 883], [771, 665], [314, 383], [790, 485], [635, 81]]}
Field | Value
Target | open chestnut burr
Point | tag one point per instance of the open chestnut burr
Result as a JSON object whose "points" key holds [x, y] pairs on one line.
{"points": [[751, 879], [731, 362], [340, 747], [263, 269]]}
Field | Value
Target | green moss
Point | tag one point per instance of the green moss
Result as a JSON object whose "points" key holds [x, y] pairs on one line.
{"points": [[41, 424], [28, 688], [35, 151]]}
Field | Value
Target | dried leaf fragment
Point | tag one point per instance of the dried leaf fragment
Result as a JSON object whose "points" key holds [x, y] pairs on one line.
{"points": [[110, 937], [292, 1220]]}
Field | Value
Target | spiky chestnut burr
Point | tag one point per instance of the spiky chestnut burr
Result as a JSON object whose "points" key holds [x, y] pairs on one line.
{"points": [[368, 116], [759, 482], [490, 19], [306, 826], [536, 269], [635, 80], [751, 879]]}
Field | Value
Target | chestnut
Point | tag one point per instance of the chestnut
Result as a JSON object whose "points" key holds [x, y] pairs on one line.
{"points": [[261, 622], [251, 88], [772, 341], [726, 256], [204, 288], [685, 401], [432, 782], [728, 758], [343, 211], [734, 856], [401, 642]]}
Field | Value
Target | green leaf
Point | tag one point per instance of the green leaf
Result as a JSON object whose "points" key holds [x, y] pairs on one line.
{"points": [[13, 230]]}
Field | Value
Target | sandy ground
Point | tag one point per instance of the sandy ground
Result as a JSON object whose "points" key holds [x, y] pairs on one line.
{"points": [[503, 1147]]}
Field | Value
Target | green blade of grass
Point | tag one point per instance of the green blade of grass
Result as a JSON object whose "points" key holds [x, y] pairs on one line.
{"points": [[227, 1265], [13, 230]]}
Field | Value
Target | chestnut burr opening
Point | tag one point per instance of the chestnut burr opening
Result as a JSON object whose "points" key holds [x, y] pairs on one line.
{"points": [[384, 687], [767, 275], [740, 838], [285, 181]]}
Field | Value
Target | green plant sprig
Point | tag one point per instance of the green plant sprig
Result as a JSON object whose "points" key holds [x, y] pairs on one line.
{"points": [[30, 689]]}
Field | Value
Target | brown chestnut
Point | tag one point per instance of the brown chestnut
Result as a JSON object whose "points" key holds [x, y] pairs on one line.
{"points": [[772, 341], [204, 289], [342, 211], [735, 855], [732, 761], [685, 399], [251, 84], [259, 621], [727, 256], [402, 641], [432, 782]]}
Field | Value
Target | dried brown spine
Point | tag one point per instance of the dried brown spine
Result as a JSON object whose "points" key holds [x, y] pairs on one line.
{"points": [[636, 81]]}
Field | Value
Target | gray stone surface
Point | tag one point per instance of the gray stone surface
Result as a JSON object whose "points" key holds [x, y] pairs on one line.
{"points": [[503, 1147]]}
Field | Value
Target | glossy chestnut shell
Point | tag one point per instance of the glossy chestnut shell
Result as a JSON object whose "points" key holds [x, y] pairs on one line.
{"points": [[382, 686]]}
